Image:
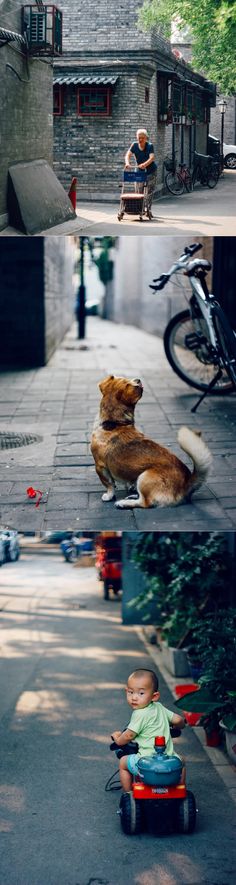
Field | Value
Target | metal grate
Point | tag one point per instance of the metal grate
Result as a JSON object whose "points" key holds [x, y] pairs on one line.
{"points": [[15, 440]]}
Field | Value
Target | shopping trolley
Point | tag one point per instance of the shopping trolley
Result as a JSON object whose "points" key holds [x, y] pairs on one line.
{"points": [[133, 203]]}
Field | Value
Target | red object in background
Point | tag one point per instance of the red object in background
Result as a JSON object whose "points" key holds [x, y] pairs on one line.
{"points": [[72, 192], [109, 557], [213, 739], [180, 690], [31, 492]]}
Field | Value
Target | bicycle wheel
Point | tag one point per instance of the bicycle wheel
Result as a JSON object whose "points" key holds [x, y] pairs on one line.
{"points": [[212, 176], [195, 366], [174, 184], [188, 182], [196, 176], [227, 341]]}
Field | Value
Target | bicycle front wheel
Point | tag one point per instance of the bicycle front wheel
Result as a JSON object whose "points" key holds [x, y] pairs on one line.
{"points": [[227, 341], [212, 177], [174, 184], [188, 351]]}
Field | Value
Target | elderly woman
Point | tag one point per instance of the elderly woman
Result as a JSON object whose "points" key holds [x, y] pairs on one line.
{"points": [[143, 151]]}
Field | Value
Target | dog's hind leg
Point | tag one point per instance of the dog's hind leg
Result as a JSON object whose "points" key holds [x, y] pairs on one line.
{"points": [[152, 490]]}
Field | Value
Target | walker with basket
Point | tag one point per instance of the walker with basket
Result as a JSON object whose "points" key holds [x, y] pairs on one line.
{"points": [[131, 202]]}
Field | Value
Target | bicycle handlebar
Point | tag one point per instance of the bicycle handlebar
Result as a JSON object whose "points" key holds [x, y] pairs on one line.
{"points": [[161, 282], [164, 277], [194, 247]]}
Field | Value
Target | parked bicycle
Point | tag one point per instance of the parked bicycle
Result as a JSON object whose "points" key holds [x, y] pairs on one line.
{"points": [[177, 179], [206, 170], [199, 342]]}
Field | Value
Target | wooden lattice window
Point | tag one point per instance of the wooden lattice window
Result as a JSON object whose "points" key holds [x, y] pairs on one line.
{"points": [[94, 101]]}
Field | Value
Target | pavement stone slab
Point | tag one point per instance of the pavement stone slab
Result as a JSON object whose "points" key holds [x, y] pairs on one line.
{"points": [[61, 401]]}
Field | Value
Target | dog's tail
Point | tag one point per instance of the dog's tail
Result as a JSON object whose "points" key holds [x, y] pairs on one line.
{"points": [[191, 442]]}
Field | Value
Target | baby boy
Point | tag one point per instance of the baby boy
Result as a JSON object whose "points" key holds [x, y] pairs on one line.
{"points": [[149, 719]]}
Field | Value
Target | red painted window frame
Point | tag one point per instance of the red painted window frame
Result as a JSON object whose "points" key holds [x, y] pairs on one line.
{"points": [[105, 90], [60, 90]]}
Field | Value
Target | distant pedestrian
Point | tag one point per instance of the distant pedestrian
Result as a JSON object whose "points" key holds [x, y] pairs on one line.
{"points": [[143, 151]]}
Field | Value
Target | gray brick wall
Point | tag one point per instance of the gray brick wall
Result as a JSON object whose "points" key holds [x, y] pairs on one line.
{"points": [[25, 107], [59, 294], [36, 298], [106, 39], [103, 26], [93, 149]]}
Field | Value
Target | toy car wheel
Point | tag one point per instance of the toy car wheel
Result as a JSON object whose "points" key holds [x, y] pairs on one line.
{"points": [[186, 814], [130, 814]]}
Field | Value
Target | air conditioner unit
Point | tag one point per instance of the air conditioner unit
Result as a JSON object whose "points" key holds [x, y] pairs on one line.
{"points": [[42, 27]]}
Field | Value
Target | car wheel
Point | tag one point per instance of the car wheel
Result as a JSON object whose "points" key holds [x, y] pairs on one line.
{"points": [[230, 161], [13, 554], [71, 555]]}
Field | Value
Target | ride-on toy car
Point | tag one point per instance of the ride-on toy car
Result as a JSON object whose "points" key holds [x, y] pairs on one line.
{"points": [[158, 801]]}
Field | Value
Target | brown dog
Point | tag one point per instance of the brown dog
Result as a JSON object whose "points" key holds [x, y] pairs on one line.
{"points": [[123, 454]]}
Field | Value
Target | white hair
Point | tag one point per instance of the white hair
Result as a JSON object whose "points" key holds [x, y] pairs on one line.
{"points": [[141, 132]]}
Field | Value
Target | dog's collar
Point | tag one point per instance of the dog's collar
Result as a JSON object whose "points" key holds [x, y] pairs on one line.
{"points": [[111, 425]]}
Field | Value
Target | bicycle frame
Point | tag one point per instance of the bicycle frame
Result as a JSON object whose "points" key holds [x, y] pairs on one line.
{"points": [[203, 299]]}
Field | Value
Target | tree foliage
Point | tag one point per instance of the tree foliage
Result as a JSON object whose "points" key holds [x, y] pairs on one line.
{"points": [[187, 575], [213, 32]]}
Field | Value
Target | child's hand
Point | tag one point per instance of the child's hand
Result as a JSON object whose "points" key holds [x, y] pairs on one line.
{"points": [[115, 736]]}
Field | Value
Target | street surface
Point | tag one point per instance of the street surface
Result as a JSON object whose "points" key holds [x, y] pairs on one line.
{"points": [[64, 661], [59, 402], [202, 212]]}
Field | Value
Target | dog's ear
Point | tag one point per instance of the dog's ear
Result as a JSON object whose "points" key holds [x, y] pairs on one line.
{"points": [[105, 383]]}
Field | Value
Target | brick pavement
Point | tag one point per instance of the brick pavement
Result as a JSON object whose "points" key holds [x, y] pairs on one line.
{"points": [[60, 401]]}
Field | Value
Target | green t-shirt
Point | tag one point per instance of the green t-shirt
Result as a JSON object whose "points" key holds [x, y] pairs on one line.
{"points": [[150, 722]]}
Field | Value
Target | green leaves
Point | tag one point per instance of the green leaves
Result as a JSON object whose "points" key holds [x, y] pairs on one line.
{"points": [[213, 30]]}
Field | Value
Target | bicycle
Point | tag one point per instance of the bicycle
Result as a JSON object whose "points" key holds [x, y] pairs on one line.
{"points": [[206, 170], [199, 342], [176, 180]]}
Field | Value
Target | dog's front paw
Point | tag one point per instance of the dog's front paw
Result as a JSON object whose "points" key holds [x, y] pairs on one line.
{"points": [[108, 496]]}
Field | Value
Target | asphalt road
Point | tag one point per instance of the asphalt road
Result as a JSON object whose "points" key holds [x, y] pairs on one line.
{"points": [[64, 660]]}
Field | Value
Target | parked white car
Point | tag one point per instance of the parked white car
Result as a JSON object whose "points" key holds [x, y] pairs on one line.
{"points": [[229, 151]]}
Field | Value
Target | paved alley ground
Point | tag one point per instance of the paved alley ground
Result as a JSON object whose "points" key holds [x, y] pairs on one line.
{"points": [[65, 659], [202, 212], [59, 403]]}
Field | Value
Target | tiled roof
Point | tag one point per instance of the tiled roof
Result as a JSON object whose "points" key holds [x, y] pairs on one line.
{"points": [[85, 80], [8, 36]]}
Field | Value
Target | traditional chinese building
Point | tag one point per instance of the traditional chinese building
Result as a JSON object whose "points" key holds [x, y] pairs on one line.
{"points": [[112, 79]]}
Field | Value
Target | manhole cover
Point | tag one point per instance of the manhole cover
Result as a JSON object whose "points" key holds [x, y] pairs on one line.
{"points": [[15, 440]]}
